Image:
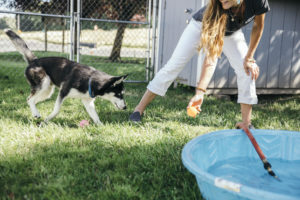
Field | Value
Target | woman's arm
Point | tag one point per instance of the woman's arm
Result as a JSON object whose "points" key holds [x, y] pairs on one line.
{"points": [[257, 31], [207, 71]]}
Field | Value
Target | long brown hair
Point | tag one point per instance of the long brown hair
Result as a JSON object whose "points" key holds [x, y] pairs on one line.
{"points": [[213, 29]]}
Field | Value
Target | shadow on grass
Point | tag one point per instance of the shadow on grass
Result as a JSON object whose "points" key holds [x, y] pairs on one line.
{"points": [[94, 169]]}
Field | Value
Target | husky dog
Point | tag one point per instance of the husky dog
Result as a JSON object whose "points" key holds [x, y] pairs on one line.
{"points": [[73, 80]]}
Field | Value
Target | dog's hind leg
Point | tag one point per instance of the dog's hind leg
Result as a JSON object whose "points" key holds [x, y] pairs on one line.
{"points": [[40, 93], [46, 90], [90, 108]]}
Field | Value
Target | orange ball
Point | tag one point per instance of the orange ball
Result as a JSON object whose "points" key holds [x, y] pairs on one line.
{"points": [[192, 111]]}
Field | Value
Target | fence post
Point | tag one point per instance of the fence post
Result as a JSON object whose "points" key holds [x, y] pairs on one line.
{"points": [[148, 67], [154, 26], [18, 22], [46, 33], [159, 26], [72, 30], [78, 29]]}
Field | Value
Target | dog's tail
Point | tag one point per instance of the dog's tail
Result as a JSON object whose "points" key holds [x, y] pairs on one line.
{"points": [[20, 45]]}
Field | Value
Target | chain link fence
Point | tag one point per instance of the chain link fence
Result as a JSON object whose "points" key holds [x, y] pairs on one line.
{"points": [[113, 36]]}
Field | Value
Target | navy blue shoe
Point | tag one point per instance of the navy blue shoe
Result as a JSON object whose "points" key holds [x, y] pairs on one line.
{"points": [[135, 117]]}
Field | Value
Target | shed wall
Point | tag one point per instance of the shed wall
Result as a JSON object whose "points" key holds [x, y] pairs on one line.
{"points": [[278, 53]]}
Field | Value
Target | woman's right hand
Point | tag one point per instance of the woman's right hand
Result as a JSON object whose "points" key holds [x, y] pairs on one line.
{"points": [[196, 101]]}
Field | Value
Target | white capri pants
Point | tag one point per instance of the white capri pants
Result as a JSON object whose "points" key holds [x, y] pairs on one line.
{"points": [[235, 49]]}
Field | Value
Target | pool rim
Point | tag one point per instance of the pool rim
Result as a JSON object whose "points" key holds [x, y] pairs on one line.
{"points": [[207, 177]]}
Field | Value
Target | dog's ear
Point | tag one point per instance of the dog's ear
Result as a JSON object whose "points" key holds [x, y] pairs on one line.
{"points": [[125, 76], [118, 79]]}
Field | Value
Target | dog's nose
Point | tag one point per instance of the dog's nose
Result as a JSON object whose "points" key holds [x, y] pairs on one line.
{"points": [[124, 108]]}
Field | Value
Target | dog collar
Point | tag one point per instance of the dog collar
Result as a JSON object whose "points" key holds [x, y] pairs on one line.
{"points": [[91, 93]]}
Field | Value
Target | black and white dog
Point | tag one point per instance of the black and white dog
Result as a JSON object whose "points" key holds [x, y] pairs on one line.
{"points": [[73, 80]]}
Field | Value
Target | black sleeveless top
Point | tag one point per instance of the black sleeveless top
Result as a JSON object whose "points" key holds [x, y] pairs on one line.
{"points": [[252, 8]]}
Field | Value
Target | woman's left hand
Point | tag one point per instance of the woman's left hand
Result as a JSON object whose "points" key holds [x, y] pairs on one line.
{"points": [[251, 67], [196, 101]]}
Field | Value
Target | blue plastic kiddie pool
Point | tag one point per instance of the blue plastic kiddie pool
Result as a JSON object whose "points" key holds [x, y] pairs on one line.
{"points": [[227, 166]]}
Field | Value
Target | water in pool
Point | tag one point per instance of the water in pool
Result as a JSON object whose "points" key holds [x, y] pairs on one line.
{"points": [[250, 172]]}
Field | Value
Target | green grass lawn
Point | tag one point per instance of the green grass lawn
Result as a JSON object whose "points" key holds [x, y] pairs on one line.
{"points": [[118, 160]]}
